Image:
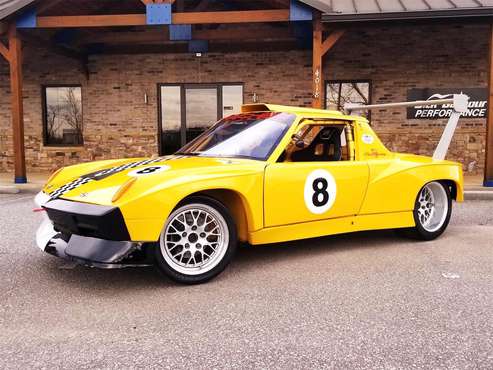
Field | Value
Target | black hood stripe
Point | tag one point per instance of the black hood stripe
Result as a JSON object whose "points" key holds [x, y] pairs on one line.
{"points": [[102, 174]]}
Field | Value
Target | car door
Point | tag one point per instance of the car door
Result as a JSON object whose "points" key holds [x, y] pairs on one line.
{"points": [[310, 190]]}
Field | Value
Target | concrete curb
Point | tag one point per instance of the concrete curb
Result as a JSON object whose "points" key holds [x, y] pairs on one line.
{"points": [[478, 194], [9, 189], [24, 189]]}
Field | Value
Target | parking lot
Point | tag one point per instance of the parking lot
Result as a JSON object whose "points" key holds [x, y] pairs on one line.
{"points": [[368, 300]]}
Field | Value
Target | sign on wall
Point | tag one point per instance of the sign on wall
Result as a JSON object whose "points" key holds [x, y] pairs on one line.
{"points": [[477, 107]]}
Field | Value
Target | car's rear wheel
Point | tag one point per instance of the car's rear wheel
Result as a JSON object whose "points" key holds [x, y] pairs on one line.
{"points": [[432, 210], [197, 242]]}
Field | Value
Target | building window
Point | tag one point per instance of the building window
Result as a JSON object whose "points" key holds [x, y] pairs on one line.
{"points": [[187, 110], [62, 107], [339, 93]]}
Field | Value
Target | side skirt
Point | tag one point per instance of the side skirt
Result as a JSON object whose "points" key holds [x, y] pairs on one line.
{"points": [[333, 226]]}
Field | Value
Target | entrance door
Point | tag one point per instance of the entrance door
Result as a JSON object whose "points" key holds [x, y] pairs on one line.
{"points": [[187, 110]]}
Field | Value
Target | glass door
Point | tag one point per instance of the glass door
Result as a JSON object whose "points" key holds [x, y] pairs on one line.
{"points": [[201, 105], [171, 117], [187, 110]]}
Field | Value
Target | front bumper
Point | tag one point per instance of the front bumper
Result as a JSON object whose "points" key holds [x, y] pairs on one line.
{"points": [[88, 234], [91, 220]]}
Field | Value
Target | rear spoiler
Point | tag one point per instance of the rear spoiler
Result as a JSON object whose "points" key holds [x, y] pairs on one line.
{"points": [[459, 103]]}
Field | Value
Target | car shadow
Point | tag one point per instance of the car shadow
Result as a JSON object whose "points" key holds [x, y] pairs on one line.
{"points": [[307, 248], [248, 257]]}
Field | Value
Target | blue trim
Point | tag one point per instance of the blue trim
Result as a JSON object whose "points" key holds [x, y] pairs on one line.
{"points": [[198, 46], [20, 180], [158, 14], [27, 19], [488, 183], [180, 32], [299, 11]]}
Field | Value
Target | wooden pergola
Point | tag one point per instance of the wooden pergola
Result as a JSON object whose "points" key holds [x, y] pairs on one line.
{"points": [[161, 23]]}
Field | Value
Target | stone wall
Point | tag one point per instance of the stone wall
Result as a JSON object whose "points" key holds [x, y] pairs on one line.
{"points": [[118, 122]]}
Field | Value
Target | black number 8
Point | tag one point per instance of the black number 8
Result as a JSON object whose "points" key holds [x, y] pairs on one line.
{"points": [[320, 188], [147, 170]]}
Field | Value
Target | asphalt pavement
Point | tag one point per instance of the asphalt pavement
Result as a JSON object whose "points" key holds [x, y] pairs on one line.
{"points": [[366, 300]]}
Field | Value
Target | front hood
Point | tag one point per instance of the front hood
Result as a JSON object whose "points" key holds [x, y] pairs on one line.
{"points": [[97, 182]]}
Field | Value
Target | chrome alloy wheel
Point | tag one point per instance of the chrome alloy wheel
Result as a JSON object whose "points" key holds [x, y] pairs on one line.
{"points": [[195, 239], [432, 206]]}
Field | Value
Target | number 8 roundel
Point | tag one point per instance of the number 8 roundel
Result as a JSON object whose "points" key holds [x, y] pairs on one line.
{"points": [[320, 191]]}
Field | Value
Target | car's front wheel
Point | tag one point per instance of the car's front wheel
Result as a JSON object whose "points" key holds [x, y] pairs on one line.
{"points": [[432, 210], [198, 241]]}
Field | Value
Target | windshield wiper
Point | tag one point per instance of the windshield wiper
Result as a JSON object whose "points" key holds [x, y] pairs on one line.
{"points": [[192, 154]]}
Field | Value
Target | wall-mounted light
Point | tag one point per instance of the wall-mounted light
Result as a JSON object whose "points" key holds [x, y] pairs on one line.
{"points": [[146, 99], [255, 98]]}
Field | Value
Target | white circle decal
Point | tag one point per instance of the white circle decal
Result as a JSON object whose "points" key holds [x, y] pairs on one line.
{"points": [[149, 170], [320, 191], [367, 139]]}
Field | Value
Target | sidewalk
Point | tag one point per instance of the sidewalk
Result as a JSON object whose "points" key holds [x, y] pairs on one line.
{"points": [[474, 189], [34, 185]]}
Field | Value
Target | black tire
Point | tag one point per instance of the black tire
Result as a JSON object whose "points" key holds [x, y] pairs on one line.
{"points": [[420, 232], [170, 267]]}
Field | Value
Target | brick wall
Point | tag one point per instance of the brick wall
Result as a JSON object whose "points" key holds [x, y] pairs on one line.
{"points": [[117, 122], [398, 59]]}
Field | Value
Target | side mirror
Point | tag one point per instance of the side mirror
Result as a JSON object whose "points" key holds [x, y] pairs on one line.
{"points": [[300, 144]]}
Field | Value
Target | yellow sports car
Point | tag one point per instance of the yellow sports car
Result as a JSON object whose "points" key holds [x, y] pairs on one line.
{"points": [[269, 174]]}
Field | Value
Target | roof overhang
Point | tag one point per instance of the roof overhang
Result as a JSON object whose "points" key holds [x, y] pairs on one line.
{"points": [[375, 10], [416, 15], [10, 7]]}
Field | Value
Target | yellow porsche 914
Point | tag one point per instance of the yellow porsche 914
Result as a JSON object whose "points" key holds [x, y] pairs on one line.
{"points": [[266, 175]]}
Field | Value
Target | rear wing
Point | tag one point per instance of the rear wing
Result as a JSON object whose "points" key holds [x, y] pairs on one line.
{"points": [[459, 104]]}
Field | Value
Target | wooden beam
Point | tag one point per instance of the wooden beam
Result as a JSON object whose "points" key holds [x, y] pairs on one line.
{"points": [[320, 48], [4, 51], [15, 46], [240, 16], [317, 82], [91, 21], [488, 166], [247, 16], [331, 40]]}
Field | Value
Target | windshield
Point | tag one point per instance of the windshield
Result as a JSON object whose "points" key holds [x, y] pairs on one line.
{"points": [[246, 135]]}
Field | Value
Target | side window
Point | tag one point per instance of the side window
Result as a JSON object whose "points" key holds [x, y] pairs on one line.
{"points": [[62, 118], [318, 143], [341, 92]]}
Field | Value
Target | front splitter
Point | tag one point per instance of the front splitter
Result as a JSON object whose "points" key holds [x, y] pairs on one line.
{"points": [[98, 253]]}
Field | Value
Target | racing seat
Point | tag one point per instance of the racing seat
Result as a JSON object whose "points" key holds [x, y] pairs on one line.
{"points": [[325, 147]]}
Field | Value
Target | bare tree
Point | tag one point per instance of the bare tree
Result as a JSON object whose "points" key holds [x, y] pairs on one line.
{"points": [[72, 113], [53, 120]]}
